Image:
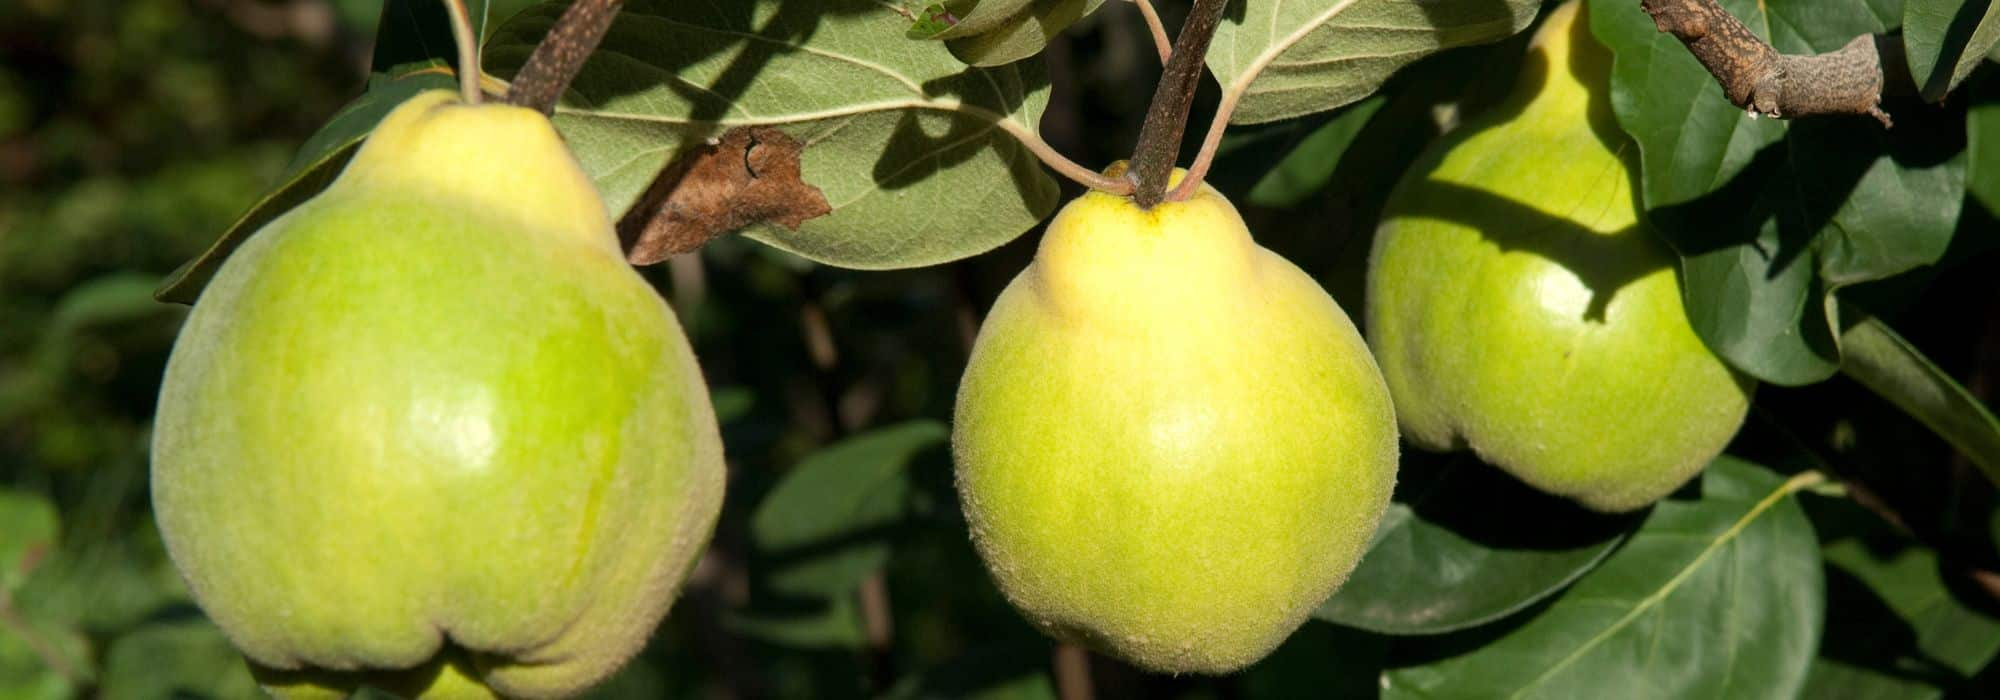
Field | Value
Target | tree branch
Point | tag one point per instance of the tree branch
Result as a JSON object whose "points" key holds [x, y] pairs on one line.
{"points": [[561, 54], [1166, 118], [1764, 82]]}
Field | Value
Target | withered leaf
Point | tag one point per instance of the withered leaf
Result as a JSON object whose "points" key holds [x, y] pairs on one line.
{"points": [[748, 176]]}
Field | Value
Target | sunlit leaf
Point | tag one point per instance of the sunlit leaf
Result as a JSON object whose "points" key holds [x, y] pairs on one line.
{"points": [[1289, 59], [911, 148]]}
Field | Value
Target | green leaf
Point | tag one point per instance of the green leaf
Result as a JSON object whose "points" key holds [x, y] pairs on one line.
{"points": [[1982, 141], [827, 523], [832, 623], [1290, 59], [318, 162], [39, 660], [1012, 670], [1900, 631], [1895, 370], [1446, 559], [1306, 169], [1772, 219], [914, 151], [933, 21], [176, 659], [29, 526], [1717, 597], [1946, 39], [1023, 35]]}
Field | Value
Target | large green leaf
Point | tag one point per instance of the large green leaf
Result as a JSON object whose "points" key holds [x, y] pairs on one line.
{"points": [[1945, 39], [911, 148], [1771, 218], [1899, 630], [318, 162], [1464, 544], [1715, 597], [827, 524], [1895, 370], [1290, 59]]}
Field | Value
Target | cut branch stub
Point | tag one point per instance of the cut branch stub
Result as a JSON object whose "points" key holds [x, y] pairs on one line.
{"points": [[1764, 82], [747, 177]]}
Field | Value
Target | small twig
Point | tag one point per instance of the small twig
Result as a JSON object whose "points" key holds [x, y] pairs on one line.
{"points": [[1166, 119], [1072, 664], [1161, 42], [468, 50], [561, 55], [1755, 77]]}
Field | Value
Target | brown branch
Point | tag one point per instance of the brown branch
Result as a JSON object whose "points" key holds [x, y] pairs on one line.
{"points": [[1166, 118], [1072, 666], [561, 54], [1764, 82]]}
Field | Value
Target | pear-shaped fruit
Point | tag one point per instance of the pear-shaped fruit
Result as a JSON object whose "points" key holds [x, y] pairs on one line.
{"points": [[1171, 444], [1519, 307], [433, 413]]}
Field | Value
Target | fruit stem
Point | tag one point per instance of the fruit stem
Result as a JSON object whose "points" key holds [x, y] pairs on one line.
{"points": [[1166, 118], [468, 50], [1161, 42], [561, 54]]}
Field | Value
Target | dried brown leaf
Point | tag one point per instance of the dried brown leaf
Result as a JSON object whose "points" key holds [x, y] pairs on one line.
{"points": [[748, 176]]}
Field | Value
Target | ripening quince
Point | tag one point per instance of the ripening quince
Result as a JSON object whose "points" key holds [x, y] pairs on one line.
{"points": [[432, 415], [1519, 306], [1171, 444]]}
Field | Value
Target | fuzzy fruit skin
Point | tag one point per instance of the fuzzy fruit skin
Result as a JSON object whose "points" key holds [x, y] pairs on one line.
{"points": [[1171, 444], [432, 410], [1519, 308]]}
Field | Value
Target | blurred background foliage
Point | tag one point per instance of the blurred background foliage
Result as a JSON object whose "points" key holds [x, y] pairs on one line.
{"points": [[132, 132]]}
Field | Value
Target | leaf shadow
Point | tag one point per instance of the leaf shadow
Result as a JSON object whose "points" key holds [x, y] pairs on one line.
{"points": [[1484, 504]]}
